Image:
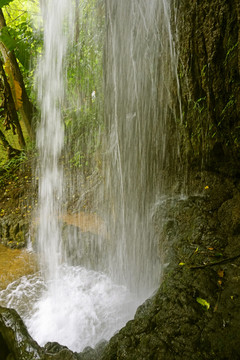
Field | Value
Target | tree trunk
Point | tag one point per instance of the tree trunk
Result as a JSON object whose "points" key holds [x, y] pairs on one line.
{"points": [[11, 108], [27, 109]]}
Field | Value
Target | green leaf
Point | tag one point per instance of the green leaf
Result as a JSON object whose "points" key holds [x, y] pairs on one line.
{"points": [[22, 54], [7, 40], [218, 254], [19, 46], [4, 2], [203, 303]]}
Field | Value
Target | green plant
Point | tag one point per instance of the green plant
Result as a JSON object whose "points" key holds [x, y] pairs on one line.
{"points": [[229, 104], [230, 51], [198, 105]]}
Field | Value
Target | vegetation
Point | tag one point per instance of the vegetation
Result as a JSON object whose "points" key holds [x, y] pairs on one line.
{"points": [[20, 46], [17, 105], [83, 112]]}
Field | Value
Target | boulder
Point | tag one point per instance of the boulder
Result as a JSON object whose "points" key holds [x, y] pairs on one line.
{"points": [[14, 338]]}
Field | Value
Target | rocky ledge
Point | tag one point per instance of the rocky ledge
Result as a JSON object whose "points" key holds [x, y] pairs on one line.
{"points": [[195, 313], [17, 344]]}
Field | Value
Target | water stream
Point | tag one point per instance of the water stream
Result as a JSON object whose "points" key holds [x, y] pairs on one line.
{"points": [[88, 287]]}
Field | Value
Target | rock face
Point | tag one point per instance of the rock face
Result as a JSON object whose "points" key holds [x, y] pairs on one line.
{"points": [[195, 313], [17, 199], [14, 231], [209, 72], [17, 344], [14, 338]]}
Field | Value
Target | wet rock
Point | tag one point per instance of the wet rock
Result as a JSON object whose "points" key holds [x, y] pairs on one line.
{"points": [[53, 347], [85, 248], [17, 344], [88, 354], [55, 351], [176, 323], [229, 215], [92, 354], [208, 35], [63, 354], [5, 352], [215, 188], [16, 341], [14, 232], [99, 348]]}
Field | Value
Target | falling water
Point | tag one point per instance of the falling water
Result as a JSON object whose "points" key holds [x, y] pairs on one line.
{"points": [[50, 135], [79, 302], [141, 91]]}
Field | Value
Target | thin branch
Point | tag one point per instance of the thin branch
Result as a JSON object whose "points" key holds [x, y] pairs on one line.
{"points": [[216, 262]]}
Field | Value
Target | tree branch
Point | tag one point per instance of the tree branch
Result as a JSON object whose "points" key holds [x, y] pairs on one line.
{"points": [[216, 262]]}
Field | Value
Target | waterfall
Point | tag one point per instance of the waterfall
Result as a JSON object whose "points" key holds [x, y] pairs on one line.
{"points": [[50, 134], [89, 288], [140, 91]]}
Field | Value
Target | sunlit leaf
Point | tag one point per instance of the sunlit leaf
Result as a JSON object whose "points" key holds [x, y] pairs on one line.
{"points": [[221, 273], [203, 303]]}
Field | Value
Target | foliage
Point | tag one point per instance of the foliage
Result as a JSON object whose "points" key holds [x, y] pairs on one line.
{"points": [[82, 110], [23, 36], [83, 116], [13, 43], [15, 162], [230, 51], [203, 302], [20, 35], [9, 168]]}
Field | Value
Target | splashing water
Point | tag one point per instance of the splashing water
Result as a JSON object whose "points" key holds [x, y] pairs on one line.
{"points": [[76, 305], [87, 306]]}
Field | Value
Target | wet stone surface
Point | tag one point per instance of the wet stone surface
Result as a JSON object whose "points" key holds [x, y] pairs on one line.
{"points": [[195, 313]]}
